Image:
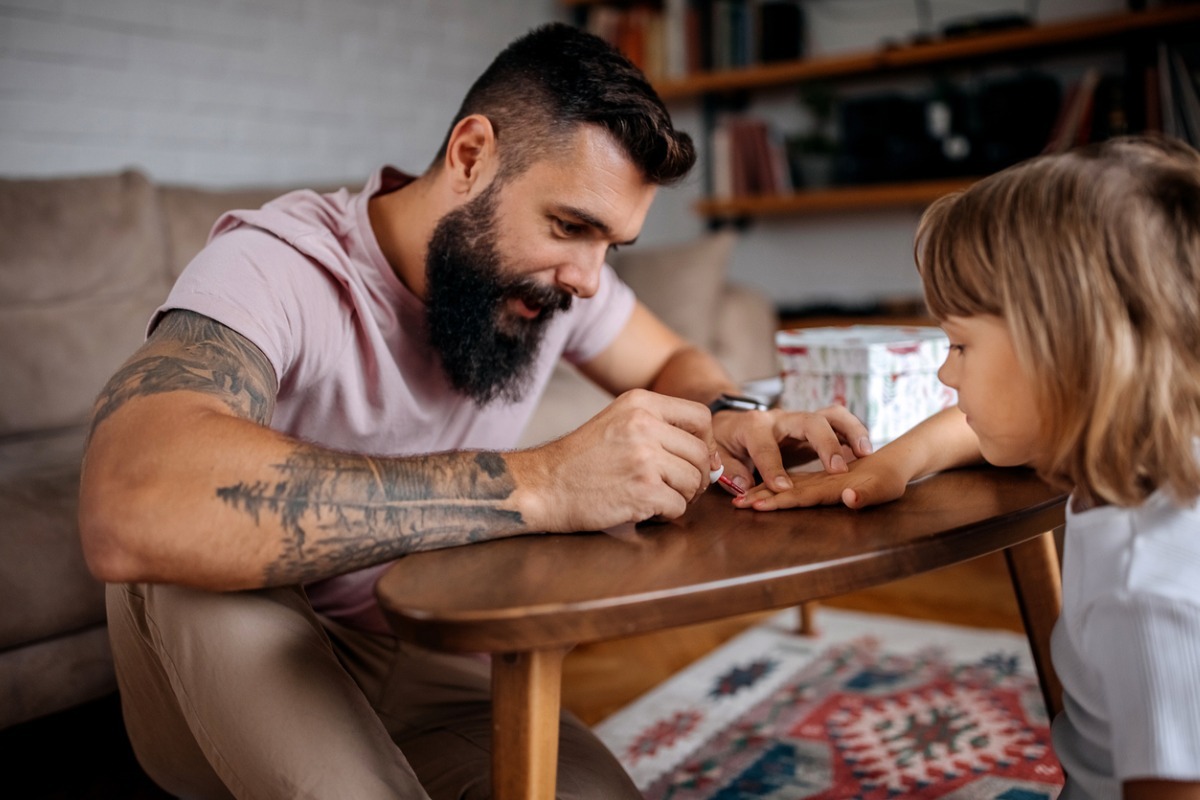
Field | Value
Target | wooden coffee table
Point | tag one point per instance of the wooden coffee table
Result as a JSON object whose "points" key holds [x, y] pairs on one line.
{"points": [[527, 600]]}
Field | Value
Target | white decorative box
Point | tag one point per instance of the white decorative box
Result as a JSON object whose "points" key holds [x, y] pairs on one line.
{"points": [[885, 374]]}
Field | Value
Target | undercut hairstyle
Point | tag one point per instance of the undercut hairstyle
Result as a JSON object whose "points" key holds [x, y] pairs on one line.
{"points": [[544, 85], [1093, 260]]}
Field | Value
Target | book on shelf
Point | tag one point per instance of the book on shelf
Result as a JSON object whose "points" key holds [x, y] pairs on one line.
{"points": [[675, 35], [1073, 125], [1186, 99], [653, 37], [1173, 97], [780, 31], [748, 159], [674, 38], [731, 34], [1100, 106]]}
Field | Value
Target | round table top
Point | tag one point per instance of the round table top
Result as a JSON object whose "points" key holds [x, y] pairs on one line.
{"points": [[546, 590]]}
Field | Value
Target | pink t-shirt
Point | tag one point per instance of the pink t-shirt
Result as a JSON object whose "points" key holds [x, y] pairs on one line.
{"points": [[303, 278]]}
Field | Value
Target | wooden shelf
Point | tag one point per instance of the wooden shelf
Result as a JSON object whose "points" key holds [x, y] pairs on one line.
{"points": [[842, 198], [1073, 33]]}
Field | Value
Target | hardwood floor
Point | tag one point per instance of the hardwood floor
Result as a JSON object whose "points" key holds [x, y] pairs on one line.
{"points": [[83, 754]]}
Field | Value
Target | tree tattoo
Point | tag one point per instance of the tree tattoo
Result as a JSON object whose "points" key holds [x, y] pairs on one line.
{"points": [[369, 510]]}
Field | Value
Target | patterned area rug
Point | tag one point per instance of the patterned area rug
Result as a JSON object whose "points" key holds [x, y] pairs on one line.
{"points": [[873, 707]]}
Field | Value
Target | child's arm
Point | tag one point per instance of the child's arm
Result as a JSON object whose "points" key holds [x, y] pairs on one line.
{"points": [[943, 441], [1161, 790]]}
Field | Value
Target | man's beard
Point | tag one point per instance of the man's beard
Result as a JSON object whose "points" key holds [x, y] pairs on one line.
{"points": [[487, 354]]}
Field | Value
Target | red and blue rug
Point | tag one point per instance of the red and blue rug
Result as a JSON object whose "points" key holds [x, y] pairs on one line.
{"points": [[873, 708]]}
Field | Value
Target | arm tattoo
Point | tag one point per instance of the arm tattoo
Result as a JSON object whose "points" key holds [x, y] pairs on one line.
{"points": [[209, 358], [341, 512]]}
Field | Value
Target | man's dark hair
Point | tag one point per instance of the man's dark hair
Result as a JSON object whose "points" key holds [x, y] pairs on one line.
{"points": [[557, 77]]}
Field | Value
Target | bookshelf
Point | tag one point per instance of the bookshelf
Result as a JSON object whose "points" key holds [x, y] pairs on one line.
{"points": [[1097, 31], [1112, 33]]}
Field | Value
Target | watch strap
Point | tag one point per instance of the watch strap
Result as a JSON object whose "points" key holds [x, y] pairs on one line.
{"points": [[736, 402]]}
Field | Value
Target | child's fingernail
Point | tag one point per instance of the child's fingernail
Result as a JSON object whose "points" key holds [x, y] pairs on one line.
{"points": [[837, 463], [781, 482], [864, 445]]}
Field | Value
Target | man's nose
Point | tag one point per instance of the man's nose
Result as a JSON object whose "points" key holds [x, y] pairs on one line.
{"points": [[581, 277]]}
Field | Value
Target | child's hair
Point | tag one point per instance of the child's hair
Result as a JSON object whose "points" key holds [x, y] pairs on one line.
{"points": [[1092, 258]]}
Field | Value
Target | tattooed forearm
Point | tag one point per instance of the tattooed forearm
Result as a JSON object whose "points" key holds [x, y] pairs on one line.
{"points": [[201, 356], [341, 512]]}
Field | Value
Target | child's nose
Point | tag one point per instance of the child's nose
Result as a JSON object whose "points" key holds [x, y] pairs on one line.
{"points": [[946, 374]]}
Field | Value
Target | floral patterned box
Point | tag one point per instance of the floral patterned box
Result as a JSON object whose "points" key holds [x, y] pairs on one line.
{"points": [[885, 374]]}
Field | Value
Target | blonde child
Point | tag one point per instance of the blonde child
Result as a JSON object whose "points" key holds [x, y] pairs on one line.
{"points": [[1069, 287]]}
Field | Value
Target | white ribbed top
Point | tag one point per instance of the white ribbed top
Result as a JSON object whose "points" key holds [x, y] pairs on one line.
{"points": [[1127, 647]]}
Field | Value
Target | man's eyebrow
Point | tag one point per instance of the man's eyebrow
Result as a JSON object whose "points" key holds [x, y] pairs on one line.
{"points": [[593, 221]]}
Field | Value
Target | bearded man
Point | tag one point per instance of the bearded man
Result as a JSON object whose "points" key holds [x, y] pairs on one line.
{"points": [[338, 380]]}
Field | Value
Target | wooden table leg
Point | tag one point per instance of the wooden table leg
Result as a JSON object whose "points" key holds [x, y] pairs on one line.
{"points": [[1037, 580], [526, 696], [806, 614]]}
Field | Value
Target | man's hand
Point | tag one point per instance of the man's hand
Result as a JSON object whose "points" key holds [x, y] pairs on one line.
{"points": [[762, 439], [645, 455]]}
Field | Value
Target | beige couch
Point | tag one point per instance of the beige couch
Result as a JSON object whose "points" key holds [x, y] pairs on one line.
{"points": [[83, 262]]}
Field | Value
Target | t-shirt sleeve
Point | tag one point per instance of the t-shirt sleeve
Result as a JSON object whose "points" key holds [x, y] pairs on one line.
{"points": [[1147, 650], [597, 320], [254, 283]]}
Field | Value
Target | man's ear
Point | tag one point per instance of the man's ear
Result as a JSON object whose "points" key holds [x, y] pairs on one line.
{"points": [[470, 153]]}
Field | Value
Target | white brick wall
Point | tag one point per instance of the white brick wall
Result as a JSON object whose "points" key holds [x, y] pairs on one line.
{"points": [[228, 92]]}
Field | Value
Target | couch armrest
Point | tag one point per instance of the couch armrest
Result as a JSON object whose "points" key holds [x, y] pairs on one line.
{"points": [[744, 333]]}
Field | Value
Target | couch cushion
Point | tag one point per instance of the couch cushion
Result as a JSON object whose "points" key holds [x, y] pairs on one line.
{"points": [[681, 283], [55, 674], [45, 586], [569, 401], [82, 266]]}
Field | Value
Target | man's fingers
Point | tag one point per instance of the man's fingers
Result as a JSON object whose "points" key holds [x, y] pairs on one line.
{"points": [[849, 428], [814, 428], [683, 430], [763, 450], [686, 415]]}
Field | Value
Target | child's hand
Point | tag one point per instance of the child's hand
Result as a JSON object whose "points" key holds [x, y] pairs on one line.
{"points": [[870, 480]]}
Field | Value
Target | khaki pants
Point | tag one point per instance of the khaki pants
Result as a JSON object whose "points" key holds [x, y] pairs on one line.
{"points": [[252, 695]]}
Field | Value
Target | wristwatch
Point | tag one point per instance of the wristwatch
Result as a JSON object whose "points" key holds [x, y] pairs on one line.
{"points": [[737, 402]]}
